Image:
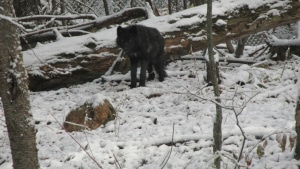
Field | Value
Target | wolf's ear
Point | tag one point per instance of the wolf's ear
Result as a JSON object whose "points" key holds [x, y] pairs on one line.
{"points": [[119, 30], [133, 30]]}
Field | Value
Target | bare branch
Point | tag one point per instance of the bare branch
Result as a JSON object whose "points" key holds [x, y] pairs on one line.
{"points": [[99, 23], [56, 17]]}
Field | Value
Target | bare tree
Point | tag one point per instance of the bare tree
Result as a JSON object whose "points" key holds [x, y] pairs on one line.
{"points": [[170, 6], [217, 128], [184, 4], [14, 93], [297, 115]]}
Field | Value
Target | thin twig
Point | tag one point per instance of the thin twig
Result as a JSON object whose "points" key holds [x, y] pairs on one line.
{"points": [[117, 162], [88, 144], [262, 139], [240, 127], [81, 147], [165, 161]]}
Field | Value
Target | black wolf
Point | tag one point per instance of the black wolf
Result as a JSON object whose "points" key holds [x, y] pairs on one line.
{"points": [[143, 45]]}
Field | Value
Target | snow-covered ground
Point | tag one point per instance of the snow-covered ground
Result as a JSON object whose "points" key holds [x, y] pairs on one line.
{"points": [[141, 136]]}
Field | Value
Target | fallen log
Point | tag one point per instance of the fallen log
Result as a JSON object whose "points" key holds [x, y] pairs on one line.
{"points": [[184, 33], [74, 30], [221, 59], [239, 22], [279, 47]]}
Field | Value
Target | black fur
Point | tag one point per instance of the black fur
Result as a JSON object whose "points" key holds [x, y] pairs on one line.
{"points": [[143, 45]]}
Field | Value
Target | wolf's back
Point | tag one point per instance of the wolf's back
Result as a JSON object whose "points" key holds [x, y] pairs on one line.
{"points": [[150, 37]]}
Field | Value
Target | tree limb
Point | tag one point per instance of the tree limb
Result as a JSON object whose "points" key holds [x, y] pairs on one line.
{"points": [[56, 17], [92, 26]]}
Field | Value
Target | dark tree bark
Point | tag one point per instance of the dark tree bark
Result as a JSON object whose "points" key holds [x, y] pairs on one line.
{"points": [[26, 7], [63, 10], [297, 119], [217, 128], [14, 94], [170, 6], [184, 4], [297, 110], [297, 126]]}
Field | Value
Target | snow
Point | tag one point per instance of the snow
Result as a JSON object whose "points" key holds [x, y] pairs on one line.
{"points": [[141, 135], [220, 22], [138, 142], [283, 42]]}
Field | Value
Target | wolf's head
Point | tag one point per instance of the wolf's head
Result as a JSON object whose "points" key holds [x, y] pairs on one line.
{"points": [[126, 38]]}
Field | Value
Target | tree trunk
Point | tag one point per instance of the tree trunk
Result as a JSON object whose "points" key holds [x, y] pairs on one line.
{"points": [[26, 7], [170, 6], [217, 128], [14, 95], [184, 4], [297, 126], [106, 7], [297, 111]]}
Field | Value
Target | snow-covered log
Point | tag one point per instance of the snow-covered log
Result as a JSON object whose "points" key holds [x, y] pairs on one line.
{"points": [[184, 32], [281, 46], [232, 20], [75, 30]]}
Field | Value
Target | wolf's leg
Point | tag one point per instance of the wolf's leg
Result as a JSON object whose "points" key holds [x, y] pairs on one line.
{"points": [[144, 65], [159, 68], [133, 65], [151, 74]]}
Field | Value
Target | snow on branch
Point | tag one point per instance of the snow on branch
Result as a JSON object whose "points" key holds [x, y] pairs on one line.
{"points": [[274, 41]]}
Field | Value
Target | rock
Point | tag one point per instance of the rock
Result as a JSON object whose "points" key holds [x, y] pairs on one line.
{"points": [[91, 115]]}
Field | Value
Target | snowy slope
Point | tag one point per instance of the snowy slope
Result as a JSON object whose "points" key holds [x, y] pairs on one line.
{"points": [[137, 141]]}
